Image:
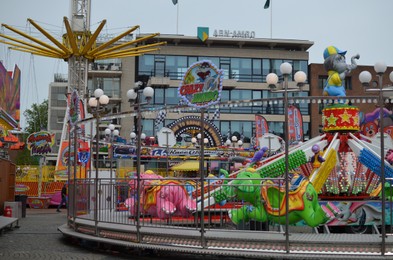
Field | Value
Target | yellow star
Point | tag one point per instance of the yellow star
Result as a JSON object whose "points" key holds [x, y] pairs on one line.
{"points": [[345, 117], [356, 120], [331, 120]]}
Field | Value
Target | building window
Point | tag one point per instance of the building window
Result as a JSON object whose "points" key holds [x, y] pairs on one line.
{"points": [[241, 69], [322, 81]]}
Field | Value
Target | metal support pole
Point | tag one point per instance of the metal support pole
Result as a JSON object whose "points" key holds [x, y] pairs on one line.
{"points": [[383, 227], [138, 170], [96, 166], [75, 171], [202, 177], [167, 152], [286, 138], [111, 173]]}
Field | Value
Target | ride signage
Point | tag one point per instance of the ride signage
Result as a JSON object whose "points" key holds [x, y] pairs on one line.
{"points": [[201, 85]]}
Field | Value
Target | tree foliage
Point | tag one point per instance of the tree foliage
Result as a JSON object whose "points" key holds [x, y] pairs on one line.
{"points": [[36, 117]]}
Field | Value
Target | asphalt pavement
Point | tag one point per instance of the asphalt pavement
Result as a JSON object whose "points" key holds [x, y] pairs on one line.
{"points": [[37, 237]]}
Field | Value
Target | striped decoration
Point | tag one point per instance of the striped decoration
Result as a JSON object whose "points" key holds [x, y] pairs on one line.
{"points": [[277, 168], [325, 170], [373, 162]]}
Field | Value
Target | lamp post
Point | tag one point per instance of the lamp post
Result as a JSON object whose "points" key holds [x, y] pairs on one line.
{"points": [[194, 141], [272, 80], [205, 141], [365, 78], [240, 143], [133, 98], [132, 138], [234, 140], [167, 150], [111, 132], [94, 103]]}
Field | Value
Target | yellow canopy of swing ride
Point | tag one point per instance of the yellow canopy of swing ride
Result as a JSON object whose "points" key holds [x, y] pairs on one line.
{"points": [[79, 44]]}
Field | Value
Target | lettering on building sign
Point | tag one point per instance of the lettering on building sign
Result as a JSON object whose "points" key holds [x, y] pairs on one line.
{"points": [[201, 85], [234, 34], [40, 143]]}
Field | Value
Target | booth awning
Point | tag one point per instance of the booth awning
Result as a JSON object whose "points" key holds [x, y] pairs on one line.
{"points": [[186, 166]]}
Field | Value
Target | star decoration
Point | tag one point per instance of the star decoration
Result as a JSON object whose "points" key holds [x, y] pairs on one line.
{"points": [[331, 120], [356, 120], [345, 117]]}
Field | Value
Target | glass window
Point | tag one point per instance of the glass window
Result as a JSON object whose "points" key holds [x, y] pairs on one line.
{"points": [[147, 127], [159, 96], [256, 70], [348, 83], [275, 65], [322, 81], [266, 68], [191, 60], [224, 126], [214, 60], [241, 69], [146, 64], [171, 96], [241, 94]]}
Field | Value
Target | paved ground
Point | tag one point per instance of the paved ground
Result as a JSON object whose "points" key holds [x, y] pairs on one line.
{"points": [[38, 238]]}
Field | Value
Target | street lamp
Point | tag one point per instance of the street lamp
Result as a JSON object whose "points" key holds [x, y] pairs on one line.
{"points": [[240, 143], [94, 103], [234, 140], [272, 80], [132, 136], [133, 98], [111, 132], [228, 142], [194, 141], [205, 141], [365, 78]]}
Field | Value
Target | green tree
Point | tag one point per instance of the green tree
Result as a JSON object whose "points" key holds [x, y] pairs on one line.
{"points": [[36, 117]]}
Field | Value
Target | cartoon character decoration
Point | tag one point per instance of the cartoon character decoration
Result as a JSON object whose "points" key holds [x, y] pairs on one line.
{"points": [[337, 69], [317, 159], [265, 200], [258, 156], [370, 122], [160, 197]]}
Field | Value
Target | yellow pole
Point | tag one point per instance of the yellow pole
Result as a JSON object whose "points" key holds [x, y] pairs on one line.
{"points": [[50, 37], [93, 38], [119, 54], [71, 38], [126, 44], [33, 39], [33, 49], [108, 43]]}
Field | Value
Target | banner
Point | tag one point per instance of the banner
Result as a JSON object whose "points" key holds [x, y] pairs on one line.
{"points": [[64, 155], [295, 124], [261, 127]]}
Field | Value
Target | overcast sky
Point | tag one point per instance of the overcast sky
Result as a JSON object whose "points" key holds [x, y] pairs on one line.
{"points": [[358, 26]]}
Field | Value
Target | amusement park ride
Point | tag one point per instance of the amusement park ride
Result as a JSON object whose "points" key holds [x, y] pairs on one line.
{"points": [[338, 179]]}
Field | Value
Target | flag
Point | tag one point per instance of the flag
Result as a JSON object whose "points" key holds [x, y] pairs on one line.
{"points": [[206, 115], [216, 114], [267, 4], [295, 124], [174, 2], [261, 127], [161, 115]]}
